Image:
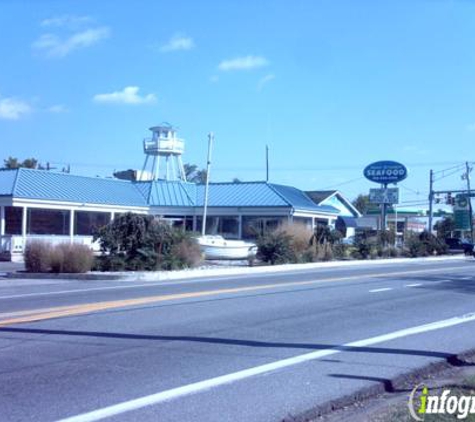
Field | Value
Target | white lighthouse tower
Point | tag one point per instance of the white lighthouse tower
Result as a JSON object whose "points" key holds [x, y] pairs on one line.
{"points": [[165, 149]]}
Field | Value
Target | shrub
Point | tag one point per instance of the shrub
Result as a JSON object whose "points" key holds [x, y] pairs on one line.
{"points": [[188, 253], [275, 247], [140, 242], [414, 247], [340, 250], [433, 244], [107, 262], [364, 248], [324, 234], [324, 252], [37, 256], [423, 244]]}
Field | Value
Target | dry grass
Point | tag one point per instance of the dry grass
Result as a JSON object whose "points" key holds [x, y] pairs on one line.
{"points": [[300, 235], [42, 257], [37, 256]]}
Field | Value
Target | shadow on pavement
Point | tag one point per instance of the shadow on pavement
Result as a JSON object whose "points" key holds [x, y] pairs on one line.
{"points": [[453, 283], [449, 357]]}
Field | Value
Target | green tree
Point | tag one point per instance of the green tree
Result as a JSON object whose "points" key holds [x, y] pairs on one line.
{"points": [[445, 227], [323, 234], [194, 174], [13, 163], [361, 203]]}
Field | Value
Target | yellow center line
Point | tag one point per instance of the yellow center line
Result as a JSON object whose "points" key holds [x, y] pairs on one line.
{"points": [[65, 311]]}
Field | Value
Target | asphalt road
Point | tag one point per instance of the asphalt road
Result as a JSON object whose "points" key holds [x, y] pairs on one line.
{"points": [[255, 348]]}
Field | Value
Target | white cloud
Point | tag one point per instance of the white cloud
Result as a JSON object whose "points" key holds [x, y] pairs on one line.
{"points": [[265, 80], [178, 42], [243, 63], [58, 108], [471, 127], [69, 21], [129, 95], [13, 109], [54, 46]]}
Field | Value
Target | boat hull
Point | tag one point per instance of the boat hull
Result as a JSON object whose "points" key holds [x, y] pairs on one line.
{"points": [[215, 248]]}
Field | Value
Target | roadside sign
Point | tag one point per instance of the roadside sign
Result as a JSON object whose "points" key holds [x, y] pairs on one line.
{"points": [[385, 172], [384, 196], [462, 212]]}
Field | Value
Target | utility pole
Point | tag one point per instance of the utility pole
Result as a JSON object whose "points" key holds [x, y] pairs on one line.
{"points": [[208, 169], [431, 200], [467, 174], [267, 163]]}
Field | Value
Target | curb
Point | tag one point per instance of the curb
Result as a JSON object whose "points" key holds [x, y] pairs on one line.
{"points": [[64, 276], [399, 382], [219, 272]]}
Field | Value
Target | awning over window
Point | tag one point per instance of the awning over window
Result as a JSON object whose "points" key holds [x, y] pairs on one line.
{"points": [[348, 221]]}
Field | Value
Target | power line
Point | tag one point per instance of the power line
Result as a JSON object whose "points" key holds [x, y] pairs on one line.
{"points": [[343, 183]]}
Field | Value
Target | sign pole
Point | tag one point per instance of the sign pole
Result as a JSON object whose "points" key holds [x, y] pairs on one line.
{"points": [[468, 170], [384, 213], [431, 200]]}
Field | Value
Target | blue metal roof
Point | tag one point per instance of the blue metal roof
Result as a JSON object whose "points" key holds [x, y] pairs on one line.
{"points": [[47, 185], [167, 194], [299, 200], [245, 194], [7, 182]]}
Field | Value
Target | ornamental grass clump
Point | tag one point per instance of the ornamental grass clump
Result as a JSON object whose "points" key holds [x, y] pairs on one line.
{"points": [[37, 256], [72, 258], [43, 257]]}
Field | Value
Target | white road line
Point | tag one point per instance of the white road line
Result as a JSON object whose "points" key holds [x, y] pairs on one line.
{"points": [[413, 285], [62, 292], [200, 386], [385, 289], [201, 279]]}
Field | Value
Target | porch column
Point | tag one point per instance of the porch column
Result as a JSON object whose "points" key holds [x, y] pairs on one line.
{"points": [[112, 215], [71, 225], [2, 221], [24, 218], [240, 226], [194, 223]]}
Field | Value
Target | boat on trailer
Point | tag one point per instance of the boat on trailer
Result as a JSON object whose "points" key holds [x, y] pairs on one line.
{"points": [[217, 247]]}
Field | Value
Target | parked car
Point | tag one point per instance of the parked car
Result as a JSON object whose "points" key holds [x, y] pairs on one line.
{"points": [[459, 245]]}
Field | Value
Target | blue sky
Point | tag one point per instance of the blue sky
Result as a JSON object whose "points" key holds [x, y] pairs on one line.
{"points": [[329, 85]]}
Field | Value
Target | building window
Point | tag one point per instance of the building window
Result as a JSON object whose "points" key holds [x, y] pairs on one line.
{"points": [[13, 217], [304, 221], [226, 226], [253, 227], [44, 221], [87, 222]]}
